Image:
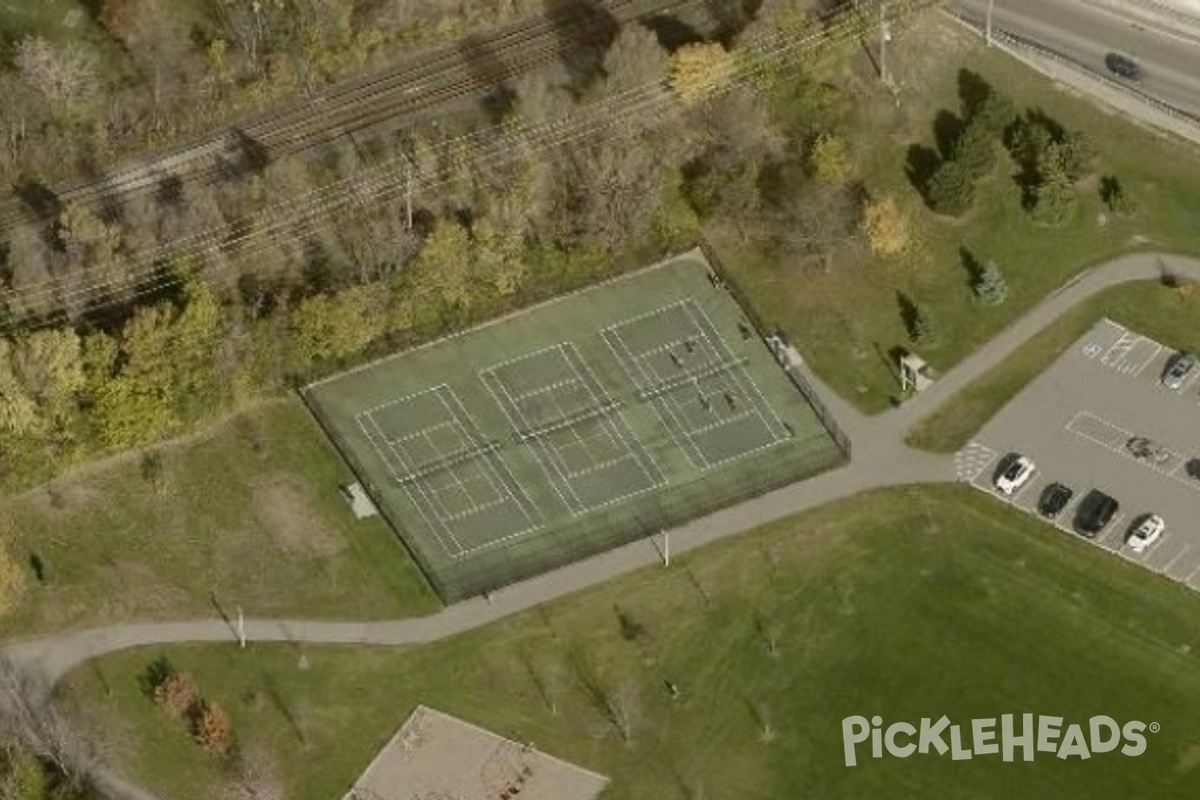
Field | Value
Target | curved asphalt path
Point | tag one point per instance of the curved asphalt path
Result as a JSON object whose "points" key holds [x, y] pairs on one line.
{"points": [[880, 459]]}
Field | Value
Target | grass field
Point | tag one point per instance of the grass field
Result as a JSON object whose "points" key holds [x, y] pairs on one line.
{"points": [[846, 322], [904, 603], [1166, 314], [572, 427], [248, 510]]}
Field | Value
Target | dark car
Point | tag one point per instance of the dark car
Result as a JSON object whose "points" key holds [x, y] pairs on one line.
{"points": [[1192, 468], [1095, 511], [1124, 66], [1054, 499]]}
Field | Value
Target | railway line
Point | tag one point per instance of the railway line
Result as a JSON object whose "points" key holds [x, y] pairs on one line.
{"points": [[420, 84]]}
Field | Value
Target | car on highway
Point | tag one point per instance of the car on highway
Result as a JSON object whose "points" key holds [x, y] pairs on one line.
{"points": [[1123, 66], [1054, 499], [1015, 474], [1144, 532], [1095, 511]]}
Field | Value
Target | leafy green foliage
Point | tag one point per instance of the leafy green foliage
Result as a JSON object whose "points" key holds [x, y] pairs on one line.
{"points": [[991, 288], [951, 191]]}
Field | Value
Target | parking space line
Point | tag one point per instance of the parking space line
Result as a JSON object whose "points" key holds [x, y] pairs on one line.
{"points": [[1174, 559], [1192, 575], [1114, 528], [1187, 383], [1122, 346], [1157, 349]]}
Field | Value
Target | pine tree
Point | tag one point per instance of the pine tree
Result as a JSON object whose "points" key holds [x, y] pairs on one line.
{"points": [[991, 288], [950, 190]]}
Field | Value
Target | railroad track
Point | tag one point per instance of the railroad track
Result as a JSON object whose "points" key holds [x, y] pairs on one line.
{"points": [[450, 73]]}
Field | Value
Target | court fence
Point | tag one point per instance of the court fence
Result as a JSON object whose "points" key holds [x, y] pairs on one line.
{"points": [[798, 380]]}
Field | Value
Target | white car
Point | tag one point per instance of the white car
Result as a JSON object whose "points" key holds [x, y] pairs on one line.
{"points": [[1146, 533], [1016, 475]]}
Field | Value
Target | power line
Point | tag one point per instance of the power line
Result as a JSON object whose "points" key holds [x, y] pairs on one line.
{"points": [[627, 106]]}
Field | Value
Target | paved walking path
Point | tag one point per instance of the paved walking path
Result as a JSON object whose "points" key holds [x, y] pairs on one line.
{"points": [[880, 459]]}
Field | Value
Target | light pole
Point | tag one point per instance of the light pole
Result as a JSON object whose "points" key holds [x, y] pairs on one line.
{"points": [[987, 27]]}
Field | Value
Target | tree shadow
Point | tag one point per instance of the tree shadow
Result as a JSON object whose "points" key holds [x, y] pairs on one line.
{"points": [[973, 90], [731, 18], [971, 265], [169, 191], [488, 69], [243, 156], [671, 32], [585, 30], [1035, 116], [909, 313], [947, 128], [921, 163], [154, 674], [38, 199]]}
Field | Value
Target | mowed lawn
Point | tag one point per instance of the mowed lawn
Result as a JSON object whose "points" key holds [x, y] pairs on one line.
{"points": [[247, 511], [1167, 314], [905, 603], [847, 322]]}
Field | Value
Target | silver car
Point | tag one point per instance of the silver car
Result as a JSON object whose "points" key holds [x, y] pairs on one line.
{"points": [[1178, 370]]}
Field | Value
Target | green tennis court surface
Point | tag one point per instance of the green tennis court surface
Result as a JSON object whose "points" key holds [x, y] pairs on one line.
{"points": [[572, 427]]}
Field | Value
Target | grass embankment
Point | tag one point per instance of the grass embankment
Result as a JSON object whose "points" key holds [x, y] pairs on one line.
{"points": [[248, 511], [1163, 313], [903, 603], [848, 321]]}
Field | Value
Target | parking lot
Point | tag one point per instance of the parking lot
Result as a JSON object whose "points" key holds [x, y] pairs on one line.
{"points": [[1075, 421]]}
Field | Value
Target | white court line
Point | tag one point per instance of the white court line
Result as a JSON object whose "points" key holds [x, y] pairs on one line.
{"points": [[404, 399], [1157, 349], [657, 406], [543, 462], [421, 432], [534, 523], [584, 372], [412, 498]]}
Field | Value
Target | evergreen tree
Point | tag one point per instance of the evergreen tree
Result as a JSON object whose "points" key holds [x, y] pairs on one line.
{"points": [[991, 288]]}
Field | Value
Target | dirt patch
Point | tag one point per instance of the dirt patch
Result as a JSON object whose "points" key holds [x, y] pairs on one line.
{"points": [[285, 508], [62, 496]]}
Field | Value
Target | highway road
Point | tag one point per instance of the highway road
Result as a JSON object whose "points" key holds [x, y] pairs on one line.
{"points": [[1086, 33]]}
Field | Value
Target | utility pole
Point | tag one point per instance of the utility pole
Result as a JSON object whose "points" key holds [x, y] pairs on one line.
{"points": [[666, 553], [884, 36], [241, 627], [987, 28]]}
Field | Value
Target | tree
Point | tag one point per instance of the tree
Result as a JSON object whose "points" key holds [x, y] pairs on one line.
{"points": [[49, 365], [991, 288], [829, 160], [918, 320], [1053, 199], [886, 227], [66, 75], [1115, 198], [211, 727], [131, 20], [995, 113], [975, 150], [176, 693], [1078, 154], [254, 775], [951, 191], [624, 710], [12, 579], [28, 713], [443, 266], [699, 70], [338, 325], [636, 59], [18, 410]]}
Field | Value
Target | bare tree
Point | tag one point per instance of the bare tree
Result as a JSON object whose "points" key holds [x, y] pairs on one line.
{"points": [[66, 75], [624, 708], [254, 775], [28, 711]]}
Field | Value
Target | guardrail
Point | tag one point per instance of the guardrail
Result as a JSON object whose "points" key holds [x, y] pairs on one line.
{"points": [[1018, 42]]}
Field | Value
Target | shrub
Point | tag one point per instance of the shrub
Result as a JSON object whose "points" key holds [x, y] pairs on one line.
{"points": [[975, 150], [991, 288], [176, 694], [1053, 200], [211, 727]]}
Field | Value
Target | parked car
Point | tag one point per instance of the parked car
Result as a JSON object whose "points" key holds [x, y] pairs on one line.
{"points": [[1123, 66], [1054, 499], [1016, 474], [1180, 366], [1145, 532], [1095, 511]]}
